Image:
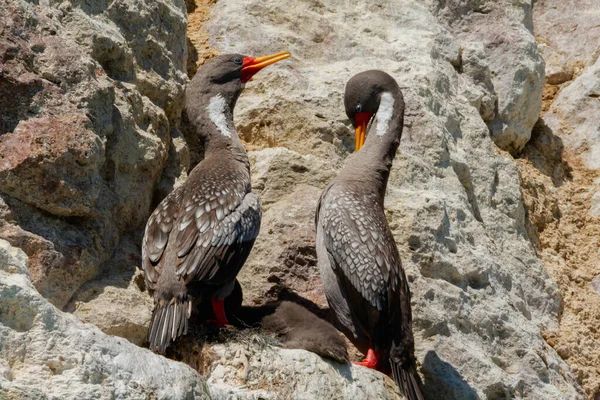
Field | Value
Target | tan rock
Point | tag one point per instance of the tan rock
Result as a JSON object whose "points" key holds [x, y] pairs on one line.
{"points": [[118, 301], [561, 176]]}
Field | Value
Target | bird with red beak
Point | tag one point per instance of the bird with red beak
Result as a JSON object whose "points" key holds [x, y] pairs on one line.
{"points": [[198, 238]]}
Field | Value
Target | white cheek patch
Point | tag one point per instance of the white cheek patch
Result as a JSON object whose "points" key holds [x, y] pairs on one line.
{"points": [[384, 113], [216, 112]]}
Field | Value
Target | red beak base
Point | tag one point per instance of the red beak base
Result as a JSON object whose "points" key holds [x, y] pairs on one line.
{"points": [[251, 66]]}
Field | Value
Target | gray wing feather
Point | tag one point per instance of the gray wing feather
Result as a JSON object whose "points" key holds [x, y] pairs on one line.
{"points": [[360, 244], [210, 226], [156, 235], [205, 249]]}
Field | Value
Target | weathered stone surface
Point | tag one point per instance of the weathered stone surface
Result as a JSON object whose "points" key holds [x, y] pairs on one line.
{"points": [[62, 255], [595, 205], [596, 284], [480, 294], [454, 203], [117, 302], [91, 93], [568, 34], [53, 164], [243, 371], [500, 53], [570, 42], [566, 179], [47, 354], [575, 116], [286, 256]]}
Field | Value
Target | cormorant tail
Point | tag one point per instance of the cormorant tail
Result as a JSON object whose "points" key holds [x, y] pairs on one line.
{"points": [[169, 321], [406, 381]]}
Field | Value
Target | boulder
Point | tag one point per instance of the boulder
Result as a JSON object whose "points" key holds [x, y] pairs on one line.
{"points": [[45, 353]]}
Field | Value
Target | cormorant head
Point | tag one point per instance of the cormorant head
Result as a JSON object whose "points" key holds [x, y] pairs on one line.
{"points": [[363, 98], [228, 73]]}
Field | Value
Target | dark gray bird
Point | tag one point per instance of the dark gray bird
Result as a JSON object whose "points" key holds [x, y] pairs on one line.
{"points": [[200, 235], [363, 278], [301, 329]]}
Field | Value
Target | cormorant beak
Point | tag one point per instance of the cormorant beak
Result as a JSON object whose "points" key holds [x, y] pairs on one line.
{"points": [[361, 120], [251, 66]]}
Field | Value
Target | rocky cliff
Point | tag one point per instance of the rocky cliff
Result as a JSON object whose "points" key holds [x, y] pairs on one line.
{"points": [[494, 209]]}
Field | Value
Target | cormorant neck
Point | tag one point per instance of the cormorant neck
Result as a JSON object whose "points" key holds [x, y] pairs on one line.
{"points": [[211, 113], [373, 162]]}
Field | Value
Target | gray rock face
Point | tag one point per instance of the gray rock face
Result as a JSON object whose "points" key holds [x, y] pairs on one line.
{"points": [[575, 115], [271, 373], [570, 43], [500, 54], [47, 354], [118, 301], [90, 94], [480, 294]]}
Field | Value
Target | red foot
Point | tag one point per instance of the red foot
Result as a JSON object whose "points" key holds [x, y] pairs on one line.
{"points": [[219, 309], [370, 361]]}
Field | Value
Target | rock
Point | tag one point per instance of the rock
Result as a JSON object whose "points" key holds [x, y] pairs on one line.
{"points": [[113, 75], [596, 284], [557, 69], [295, 374], [53, 164], [568, 35], [480, 294], [507, 65], [568, 244], [277, 171], [570, 38], [595, 204], [118, 301], [63, 255], [286, 256], [95, 93], [574, 116], [47, 353]]}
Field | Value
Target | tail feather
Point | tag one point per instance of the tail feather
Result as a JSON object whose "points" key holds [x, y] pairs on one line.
{"points": [[169, 321], [406, 381]]}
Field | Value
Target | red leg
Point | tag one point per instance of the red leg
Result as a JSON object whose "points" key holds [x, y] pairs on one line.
{"points": [[219, 309], [370, 361]]}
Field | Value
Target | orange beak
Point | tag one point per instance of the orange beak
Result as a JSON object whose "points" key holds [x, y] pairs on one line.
{"points": [[361, 121], [251, 65]]}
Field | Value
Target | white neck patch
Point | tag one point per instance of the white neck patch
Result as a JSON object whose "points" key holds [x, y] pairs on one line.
{"points": [[384, 113], [216, 112]]}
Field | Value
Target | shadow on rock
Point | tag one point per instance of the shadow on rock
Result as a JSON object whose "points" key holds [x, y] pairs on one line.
{"points": [[442, 381], [545, 152]]}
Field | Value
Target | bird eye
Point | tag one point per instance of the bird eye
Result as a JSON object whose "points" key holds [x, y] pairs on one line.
{"points": [[238, 60], [358, 108]]}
